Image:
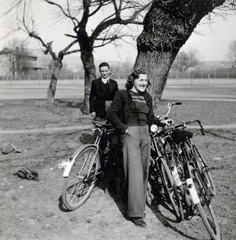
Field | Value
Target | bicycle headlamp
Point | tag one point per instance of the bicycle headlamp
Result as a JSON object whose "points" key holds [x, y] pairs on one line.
{"points": [[153, 128]]}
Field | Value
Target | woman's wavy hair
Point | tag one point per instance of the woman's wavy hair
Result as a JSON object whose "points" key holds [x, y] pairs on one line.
{"points": [[134, 75]]}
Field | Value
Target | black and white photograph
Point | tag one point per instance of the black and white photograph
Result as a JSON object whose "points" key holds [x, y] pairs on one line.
{"points": [[117, 120]]}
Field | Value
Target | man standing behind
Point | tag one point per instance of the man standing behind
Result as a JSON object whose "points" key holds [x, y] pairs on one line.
{"points": [[102, 93]]}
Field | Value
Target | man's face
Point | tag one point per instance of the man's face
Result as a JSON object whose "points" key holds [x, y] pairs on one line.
{"points": [[104, 71]]}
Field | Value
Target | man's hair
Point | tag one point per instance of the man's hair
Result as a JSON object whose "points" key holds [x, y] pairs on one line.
{"points": [[104, 64], [134, 75]]}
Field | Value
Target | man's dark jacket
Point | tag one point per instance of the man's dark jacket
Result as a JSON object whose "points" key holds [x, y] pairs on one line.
{"points": [[98, 96], [120, 110]]}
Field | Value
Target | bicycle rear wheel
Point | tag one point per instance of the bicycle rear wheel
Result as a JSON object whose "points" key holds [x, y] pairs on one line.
{"points": [[205, 206], [171, 190], [206, 175], [78, 186]]}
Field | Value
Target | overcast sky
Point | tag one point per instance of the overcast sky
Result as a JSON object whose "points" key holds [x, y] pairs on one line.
{"points": [[210, 39]]}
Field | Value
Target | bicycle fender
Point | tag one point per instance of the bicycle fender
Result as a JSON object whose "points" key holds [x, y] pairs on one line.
{"points": [[72, 159], [192, 191], [68, 168]]}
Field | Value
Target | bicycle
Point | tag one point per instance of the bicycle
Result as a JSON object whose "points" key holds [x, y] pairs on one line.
{"points": [[161, 180], [199, 186], [190, 172], [88, 164]]}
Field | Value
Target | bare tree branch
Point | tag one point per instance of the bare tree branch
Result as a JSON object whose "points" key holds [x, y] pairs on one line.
{"points": [[117, 19], [74, 20]]}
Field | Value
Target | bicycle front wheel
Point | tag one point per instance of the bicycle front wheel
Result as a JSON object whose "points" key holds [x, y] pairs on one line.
{"points": [[206, 175], [171, 190], [205, 206], [78, 186]]}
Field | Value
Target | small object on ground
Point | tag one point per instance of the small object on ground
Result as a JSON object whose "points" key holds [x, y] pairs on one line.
{"points": [[26, 173], [63, 164], [9, 148]]}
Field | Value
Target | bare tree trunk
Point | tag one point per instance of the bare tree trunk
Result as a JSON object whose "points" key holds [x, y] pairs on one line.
{"points": [[53, 83], [89, 74], [167, 26]]}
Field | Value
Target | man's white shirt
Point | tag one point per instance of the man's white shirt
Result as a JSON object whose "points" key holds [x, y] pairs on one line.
{"points": [[105, 80]]}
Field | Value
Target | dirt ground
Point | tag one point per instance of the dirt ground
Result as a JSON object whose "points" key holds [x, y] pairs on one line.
{"points": [[46, 135]]}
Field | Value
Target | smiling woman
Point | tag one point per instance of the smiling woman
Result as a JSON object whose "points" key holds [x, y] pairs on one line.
{"points": [[130, 113]]}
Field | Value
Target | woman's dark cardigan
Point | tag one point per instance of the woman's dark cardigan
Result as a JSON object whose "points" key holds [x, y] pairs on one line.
{"points": [[120, 110]]}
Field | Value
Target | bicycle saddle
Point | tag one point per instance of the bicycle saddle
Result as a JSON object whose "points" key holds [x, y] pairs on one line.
{"points": [[179, 136]]}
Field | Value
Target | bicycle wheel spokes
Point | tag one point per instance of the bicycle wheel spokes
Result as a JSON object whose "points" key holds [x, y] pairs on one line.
{"points": [[204, 170], [171, 190], [205, 206], [76, 191], [156, 191], [78, 186]]}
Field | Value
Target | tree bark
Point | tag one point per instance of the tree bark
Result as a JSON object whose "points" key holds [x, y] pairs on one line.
{"points": [[89, 74], [53, 83]]}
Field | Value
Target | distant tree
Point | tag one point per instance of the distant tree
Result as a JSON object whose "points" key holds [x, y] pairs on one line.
{"points": [[231, 55], [121, 69], [167, 26], [185, 60], [110, 18], [56, 63], [17, 57], [127, 66]]}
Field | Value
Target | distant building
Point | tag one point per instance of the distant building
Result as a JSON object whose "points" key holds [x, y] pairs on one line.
{"points": [[9, 58]]}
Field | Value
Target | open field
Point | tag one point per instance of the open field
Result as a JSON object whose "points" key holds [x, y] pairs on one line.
{"points": [[45, 135], [185, 88]]}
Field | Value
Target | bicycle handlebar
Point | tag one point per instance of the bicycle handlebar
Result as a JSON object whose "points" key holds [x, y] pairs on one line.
{"points": [[182, 125], [170, 105], [103, 126], [190, 122]]}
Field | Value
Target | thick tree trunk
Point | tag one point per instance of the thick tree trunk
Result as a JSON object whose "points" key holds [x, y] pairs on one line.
{"points": [[167, 26], [53, 83], [89, 74]]}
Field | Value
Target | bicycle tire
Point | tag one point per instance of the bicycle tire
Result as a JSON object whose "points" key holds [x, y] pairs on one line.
{"points": [[201, 164], [171, 190], [78, 186], [204, 207]]}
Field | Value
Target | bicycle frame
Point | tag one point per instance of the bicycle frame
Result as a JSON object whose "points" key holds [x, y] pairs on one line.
{"points": [[185, 149], [189, 171], [167, 182]]}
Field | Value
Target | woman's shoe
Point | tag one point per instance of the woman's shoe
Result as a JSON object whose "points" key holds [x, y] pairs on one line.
{"points": [[138, 221]]}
